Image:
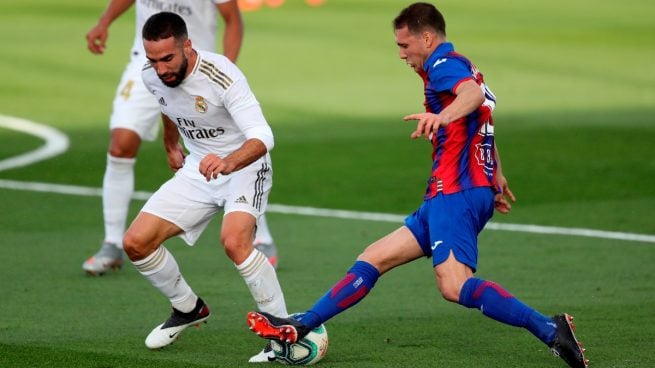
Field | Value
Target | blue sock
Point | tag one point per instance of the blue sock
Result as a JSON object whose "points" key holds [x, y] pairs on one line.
{"points": [[496, 303], [359, 280]]}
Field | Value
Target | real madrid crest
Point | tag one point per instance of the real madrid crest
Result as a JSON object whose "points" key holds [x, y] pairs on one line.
{"points": [[201, 105]]}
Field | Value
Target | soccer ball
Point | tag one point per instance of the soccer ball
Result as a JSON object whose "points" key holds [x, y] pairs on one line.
{"points": [[309, 350]]}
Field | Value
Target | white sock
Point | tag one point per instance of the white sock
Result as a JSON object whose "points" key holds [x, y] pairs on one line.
{"points": [[161, 269], [262, 281], [117, 189], [263, 234]]}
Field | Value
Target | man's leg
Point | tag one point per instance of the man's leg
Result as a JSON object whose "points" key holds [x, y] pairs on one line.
{"points": [[455, 221], [142, 243], [260, 277], [393, 250], [117, 190], [118, 182], [457, 285], [258, 272]]}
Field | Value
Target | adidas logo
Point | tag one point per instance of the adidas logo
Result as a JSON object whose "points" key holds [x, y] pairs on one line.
{"points": [[241, 199], [162, 102]]}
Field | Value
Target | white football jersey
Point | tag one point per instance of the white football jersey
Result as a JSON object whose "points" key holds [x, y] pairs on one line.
{"points": [[201, 17], [213, 108]]}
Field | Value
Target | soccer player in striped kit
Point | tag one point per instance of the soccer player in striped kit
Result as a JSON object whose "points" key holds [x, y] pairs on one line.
{"points": [[465, 186]]}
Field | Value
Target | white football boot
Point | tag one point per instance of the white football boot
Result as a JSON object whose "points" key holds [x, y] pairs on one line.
{"points": [[169, 331], [109, 257], [265, 356]]}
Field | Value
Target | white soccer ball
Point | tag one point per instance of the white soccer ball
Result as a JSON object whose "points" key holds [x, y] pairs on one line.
{"points": [[309, 350]]}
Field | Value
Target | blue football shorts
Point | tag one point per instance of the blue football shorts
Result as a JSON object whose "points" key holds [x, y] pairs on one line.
{"points": [[452, 222]]}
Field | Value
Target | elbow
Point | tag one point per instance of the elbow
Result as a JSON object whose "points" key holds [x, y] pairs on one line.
{"points": [[262, 133], [267, 142], [267, 139]]}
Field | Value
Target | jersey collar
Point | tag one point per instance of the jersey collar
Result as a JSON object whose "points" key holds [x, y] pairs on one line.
{"points": [[442, 50]]}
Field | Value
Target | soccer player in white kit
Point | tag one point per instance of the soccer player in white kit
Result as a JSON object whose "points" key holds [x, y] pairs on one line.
{"points": [[205, 100], [135, 114]]}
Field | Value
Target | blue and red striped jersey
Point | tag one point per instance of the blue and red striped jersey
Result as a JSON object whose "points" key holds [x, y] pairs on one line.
{"points": [[463, 152]]}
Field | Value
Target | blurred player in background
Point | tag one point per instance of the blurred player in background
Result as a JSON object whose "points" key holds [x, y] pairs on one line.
{"points": [[135, 114], [466, 185], [206, 101]]}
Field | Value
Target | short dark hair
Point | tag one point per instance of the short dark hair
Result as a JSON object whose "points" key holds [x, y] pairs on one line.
{"points": [[164, 25], [421, 16]]}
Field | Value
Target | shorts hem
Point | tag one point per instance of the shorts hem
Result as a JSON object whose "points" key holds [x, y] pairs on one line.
{"points": [[189, 239]]}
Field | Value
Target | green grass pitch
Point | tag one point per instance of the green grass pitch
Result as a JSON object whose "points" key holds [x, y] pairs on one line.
{"points": [[575, 125]]}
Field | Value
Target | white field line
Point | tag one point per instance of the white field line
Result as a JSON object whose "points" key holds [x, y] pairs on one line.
{"points": [[55, 142], [343, 214]]}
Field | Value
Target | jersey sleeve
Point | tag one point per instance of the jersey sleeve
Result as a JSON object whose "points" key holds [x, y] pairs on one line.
{"points": [[447, 73], [244, 108]]}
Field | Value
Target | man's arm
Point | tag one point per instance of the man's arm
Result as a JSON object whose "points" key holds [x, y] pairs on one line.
{"points": [[250, 120], [174, 150], [96, 38], [233, 34], [247, 114], [469, 97], [251, 150]]}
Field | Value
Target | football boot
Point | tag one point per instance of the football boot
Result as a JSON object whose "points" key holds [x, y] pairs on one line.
{"points": [[167, 332]]}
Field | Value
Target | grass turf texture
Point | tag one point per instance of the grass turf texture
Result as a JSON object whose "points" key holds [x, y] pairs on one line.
{"points": [[575, 129]]}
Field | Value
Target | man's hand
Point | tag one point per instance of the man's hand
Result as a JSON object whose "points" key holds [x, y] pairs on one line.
{"points": [[96, 39], [211, 166], [501, 203], [428, 123], [175, 157]]}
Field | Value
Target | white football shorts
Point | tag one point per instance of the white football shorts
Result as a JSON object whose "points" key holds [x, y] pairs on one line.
{"points": [[134, 107], [190, 203]]}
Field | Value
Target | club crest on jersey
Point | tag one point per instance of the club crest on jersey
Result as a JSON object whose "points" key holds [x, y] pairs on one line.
{"points": [[485, 157], [201, 105]]}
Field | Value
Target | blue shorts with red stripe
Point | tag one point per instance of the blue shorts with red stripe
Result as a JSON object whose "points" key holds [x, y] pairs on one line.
{"points": [[452, 222]]}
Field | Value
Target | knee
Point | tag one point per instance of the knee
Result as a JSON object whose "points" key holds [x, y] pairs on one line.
{"points": [[135, 246], [450, 294], [229, 241], [121, 151], [124, 145], [237, 248], [450, 289], [380, 263]]}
